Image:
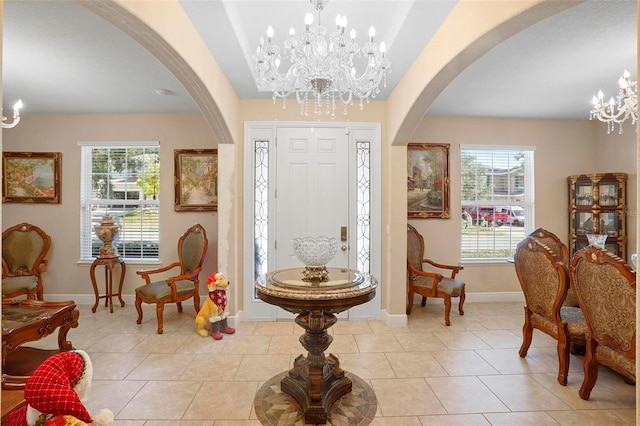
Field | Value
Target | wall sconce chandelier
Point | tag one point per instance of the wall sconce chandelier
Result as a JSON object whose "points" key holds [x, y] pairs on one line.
{"points": [[323, 69], [16, 116], [618, 112]]}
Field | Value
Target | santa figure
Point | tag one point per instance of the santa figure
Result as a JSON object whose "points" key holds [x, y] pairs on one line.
{"points": [[54, 394]]}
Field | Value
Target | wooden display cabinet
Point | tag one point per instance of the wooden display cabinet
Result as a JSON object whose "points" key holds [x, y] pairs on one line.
{"points": [[597, 205]]}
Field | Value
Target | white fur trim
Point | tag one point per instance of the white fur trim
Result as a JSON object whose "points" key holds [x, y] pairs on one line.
{"points": [[32, 415], [214, 319], [84, 383], [225, 315], [103, 417]]}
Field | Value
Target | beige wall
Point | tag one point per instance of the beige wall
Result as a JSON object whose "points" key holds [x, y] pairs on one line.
{"points": [[618, 153], [562, 148], [60, 133], [266, 110]]}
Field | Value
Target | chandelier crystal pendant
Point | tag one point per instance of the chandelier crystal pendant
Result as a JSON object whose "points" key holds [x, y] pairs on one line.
{"points": [[618, 112], [16, 116], [315, 66]]}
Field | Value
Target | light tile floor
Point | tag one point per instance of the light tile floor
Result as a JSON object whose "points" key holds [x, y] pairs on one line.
{"points": [[426, 373]]}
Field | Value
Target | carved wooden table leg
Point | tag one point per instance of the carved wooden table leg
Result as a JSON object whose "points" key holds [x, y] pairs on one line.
{"points": [[316, 381]]}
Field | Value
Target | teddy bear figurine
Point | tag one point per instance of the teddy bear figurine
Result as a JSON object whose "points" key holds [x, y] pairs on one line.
{"points": [[213, 310]]}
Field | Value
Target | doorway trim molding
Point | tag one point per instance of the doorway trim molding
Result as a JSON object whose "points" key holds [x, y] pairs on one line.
{"points": [[256, 310]]}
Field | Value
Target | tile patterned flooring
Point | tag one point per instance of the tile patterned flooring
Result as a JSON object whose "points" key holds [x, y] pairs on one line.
{"points": [[425, 373]]}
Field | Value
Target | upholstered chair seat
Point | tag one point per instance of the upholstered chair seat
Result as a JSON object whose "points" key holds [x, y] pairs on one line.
{"points": [[446, 286], [574, 318], [159, 290], [24, 247], [28, 284]]}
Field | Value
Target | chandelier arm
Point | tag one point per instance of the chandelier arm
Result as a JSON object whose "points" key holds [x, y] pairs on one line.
{"points": [[322, 66], [627, 105]]}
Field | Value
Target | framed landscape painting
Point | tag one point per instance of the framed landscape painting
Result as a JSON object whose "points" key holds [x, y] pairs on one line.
{"points": [[31, 177], [196, 179], [428, 180]]}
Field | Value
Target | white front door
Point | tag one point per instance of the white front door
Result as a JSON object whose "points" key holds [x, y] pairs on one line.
{"points": [[312, 194], [306, 180]]}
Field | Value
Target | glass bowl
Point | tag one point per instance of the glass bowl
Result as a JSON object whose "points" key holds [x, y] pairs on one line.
{"points": [[597, 240], [315, 252]]}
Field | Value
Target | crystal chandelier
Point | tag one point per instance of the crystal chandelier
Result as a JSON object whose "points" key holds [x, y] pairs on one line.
{"points": [[16, 116], [321, 68], [618, 112]]}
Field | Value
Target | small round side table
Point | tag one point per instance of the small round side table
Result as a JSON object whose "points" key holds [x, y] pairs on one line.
{"points": [[108, 263]]}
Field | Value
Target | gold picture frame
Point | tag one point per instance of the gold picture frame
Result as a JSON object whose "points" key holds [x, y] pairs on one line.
{"points": [[31, 177], [428, 180], [196, 180]]}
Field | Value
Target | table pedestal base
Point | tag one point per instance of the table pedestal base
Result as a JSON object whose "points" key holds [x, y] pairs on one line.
{"points": [[316, 381]]}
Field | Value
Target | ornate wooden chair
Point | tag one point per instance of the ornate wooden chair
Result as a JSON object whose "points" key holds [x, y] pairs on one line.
{"points": [[561, 252], [24, 247], [606, 290], [192, 250], [430, 283], [545, 282]]}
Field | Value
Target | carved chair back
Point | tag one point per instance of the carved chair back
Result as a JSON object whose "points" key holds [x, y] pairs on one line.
{"points": [[543, 279], [415, 248], [606, 290], [24, 247], [192, 249]]}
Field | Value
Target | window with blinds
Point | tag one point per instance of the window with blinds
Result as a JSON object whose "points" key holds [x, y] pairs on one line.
{"points": [[497, 198], [121, 180]]}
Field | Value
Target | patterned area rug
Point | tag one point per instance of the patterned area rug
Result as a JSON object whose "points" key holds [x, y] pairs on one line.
{"points": [[276, 408]]}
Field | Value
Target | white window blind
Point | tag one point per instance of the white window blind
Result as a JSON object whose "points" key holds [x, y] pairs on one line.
{"points": [[497, 200], [121, 180]]}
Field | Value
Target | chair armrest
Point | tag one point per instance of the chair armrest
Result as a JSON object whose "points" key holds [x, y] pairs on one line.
{"points": [[190, 276], [145, 274], [454, 268], [435, 275], [171, 281], [43, 266]]}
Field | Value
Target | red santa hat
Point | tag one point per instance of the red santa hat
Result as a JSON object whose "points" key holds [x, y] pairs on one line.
{"points": [[56, 389], [215, 276]]}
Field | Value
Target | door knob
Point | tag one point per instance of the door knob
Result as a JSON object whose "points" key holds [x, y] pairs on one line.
{"points": [[343, 248]]}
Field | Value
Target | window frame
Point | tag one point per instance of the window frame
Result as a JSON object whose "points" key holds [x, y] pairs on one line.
{"points": [[511, 236], [88, 201]]}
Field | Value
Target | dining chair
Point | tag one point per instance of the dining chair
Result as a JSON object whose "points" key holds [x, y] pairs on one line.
{"points": [[24, 247], [606, 290], [561, 252], [429, 283], [545, 281], [192, 250]]}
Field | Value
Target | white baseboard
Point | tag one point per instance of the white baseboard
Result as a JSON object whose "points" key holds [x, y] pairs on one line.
{"points": [[496, 297], [395, 320]]}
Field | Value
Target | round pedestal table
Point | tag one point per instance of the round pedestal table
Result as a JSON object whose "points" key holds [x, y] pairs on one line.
{"points": [[316, 381]]}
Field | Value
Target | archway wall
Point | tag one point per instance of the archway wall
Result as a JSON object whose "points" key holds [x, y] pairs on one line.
{"points": [[472, 29], [164, 29]]}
